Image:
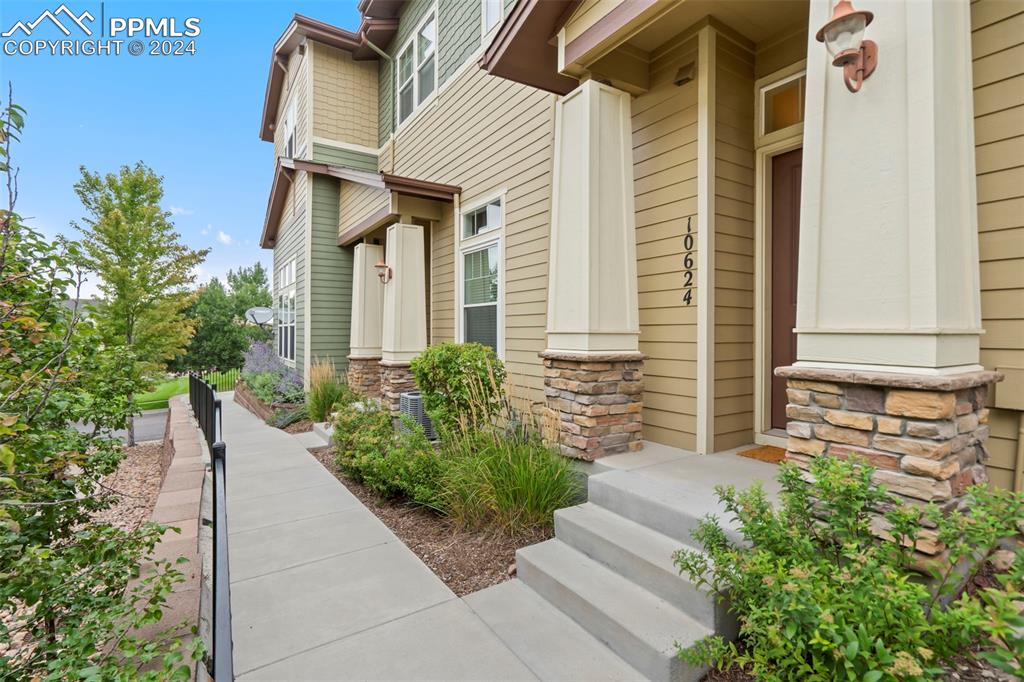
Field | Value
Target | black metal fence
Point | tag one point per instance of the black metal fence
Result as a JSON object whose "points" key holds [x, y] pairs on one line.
{"points": [[206, 407]]}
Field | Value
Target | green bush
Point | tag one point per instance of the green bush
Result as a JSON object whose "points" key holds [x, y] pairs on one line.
{"points": [[513, 483], [820, 597], [392, 463], [263, 386], [325, 390], [461, 384]]}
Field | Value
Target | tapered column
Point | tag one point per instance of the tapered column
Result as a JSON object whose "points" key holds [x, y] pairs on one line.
{"points": [[405, 311], [367, 321], [888, 272], [888, 305], [593, 370]]}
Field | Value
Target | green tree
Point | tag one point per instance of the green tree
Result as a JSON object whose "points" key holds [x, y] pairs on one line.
{"points": [[143, 269], [220, 338], [71, 599], [249, 288]]}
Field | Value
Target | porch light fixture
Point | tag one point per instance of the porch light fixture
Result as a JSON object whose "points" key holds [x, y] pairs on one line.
{"points": [[843, 36], [384, 271]]}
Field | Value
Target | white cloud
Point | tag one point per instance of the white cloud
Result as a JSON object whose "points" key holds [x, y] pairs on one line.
{"points": [[178, 210], [206, 230], [224, 238]]}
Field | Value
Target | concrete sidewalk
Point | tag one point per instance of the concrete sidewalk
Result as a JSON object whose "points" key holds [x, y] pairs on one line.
{"points": [[322, 590]]}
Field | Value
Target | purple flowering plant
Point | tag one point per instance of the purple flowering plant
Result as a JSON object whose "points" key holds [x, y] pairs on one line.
{"points": [[269, 378]]}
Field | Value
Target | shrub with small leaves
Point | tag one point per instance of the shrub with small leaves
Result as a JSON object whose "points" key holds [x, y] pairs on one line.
{"points": [[820, 596], [462, 384], [269, 378]]}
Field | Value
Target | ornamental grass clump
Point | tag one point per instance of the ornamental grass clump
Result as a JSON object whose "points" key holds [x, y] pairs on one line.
{"points": [[820, 596], [325, 390]]}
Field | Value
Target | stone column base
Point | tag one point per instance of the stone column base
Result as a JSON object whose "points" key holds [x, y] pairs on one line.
{"points": [[364, 376], [598, 400], [395, 379], [925, 435]]}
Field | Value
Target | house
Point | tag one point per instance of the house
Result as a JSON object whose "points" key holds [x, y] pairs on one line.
{"points": [[544, 177]]}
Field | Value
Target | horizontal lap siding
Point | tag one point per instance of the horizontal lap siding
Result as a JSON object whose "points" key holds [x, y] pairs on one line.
{"points": [[998, 53], [486, 134], [350, 158], [344, 97], [330, 271], [664, 122], [358, 202], [734, 246]]}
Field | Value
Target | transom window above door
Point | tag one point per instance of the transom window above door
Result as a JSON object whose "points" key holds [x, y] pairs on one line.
{"points": [[782, 104], [417, 68]]}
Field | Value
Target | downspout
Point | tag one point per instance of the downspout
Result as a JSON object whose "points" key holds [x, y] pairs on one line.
{"points": [[394, 77]]}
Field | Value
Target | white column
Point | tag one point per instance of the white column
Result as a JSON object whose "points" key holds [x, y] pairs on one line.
{"points": [[405, 302], [367, 302], [592, 288], [888, 272]]}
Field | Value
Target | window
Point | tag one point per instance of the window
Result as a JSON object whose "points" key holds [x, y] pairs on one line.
{"points": [[480, 296], [481, 277], [492, 14], [417, 68], [483, 219], [284, 284], [288, 134], [782, 103]]}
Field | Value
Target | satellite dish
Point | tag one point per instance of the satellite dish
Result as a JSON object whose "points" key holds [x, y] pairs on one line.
{"points": [[259, 315]]}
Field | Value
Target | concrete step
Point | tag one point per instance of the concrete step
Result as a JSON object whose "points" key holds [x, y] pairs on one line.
{"points": [[324, 429], [642, 555], [637, 625], [661, 504], [550, 643]]}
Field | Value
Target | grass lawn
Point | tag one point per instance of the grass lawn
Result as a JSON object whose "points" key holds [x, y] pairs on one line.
{"points": [[158, 397]]}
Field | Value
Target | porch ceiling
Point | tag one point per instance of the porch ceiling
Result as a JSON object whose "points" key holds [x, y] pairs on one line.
{"points": [[756, 20]]}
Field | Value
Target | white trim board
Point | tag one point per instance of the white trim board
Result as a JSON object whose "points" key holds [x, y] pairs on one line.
{"points": [[706, 45]]}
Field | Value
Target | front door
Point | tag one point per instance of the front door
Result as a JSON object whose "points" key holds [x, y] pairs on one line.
{"points": [[785, 230]]}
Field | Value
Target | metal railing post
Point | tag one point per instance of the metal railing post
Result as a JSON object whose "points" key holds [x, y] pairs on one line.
{"points": [[222, 645]]}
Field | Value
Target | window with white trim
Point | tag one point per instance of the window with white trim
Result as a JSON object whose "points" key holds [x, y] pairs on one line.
{"points": [[284, 284], [288, 131], [492, 11], [417, 68], [481, 276]]}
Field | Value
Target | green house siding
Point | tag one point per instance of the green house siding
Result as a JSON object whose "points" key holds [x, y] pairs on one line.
{"points": [[330, 287], [349, 158], [291, 244], [458, 37]]}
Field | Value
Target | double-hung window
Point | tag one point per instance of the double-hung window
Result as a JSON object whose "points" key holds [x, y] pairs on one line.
{"points": [[492, 11], [285, 287], [288, 132], [417, 68], [480, 260]]}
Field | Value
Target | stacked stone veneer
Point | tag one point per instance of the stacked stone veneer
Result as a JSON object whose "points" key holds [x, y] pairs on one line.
{"points": [[364, 376], [924, 435], [395, 379], [597, 401]]}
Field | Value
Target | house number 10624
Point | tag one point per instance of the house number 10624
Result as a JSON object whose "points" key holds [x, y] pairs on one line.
{"points": [[688, 262]]}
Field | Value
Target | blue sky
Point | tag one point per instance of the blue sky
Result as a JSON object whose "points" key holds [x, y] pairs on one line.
{"points": [[193, 119]]}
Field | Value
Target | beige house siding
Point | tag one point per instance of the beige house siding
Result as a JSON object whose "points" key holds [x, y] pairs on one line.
{"points": [[344, 97], [734, 245], [665, 184], [586, 15], [998, 52], [780, 52], [357, 202], [487, 135], [295, 87]]}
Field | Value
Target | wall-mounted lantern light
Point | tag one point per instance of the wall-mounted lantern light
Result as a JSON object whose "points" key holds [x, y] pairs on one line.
{"points": [[843, 36], [384, 271]]}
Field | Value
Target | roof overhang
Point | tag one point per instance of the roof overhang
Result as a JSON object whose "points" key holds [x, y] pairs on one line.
{"points": [[525, 49], [378, 31], [286, 169]]}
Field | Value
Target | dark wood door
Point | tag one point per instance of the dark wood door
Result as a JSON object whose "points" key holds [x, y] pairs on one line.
{"points": [[785, 243]]}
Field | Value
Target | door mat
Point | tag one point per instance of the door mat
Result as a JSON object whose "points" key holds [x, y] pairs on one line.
{"points": [[765, 453]]}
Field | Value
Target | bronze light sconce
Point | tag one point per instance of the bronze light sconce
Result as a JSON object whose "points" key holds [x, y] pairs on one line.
{"points": [[384, 271], [843, 36]]}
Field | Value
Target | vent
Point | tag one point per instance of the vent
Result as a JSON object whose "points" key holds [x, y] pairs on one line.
{"points": [[412, 405]]}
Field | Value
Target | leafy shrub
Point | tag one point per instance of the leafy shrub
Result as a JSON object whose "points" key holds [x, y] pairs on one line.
{"points": [[286, 417], [820, 597], [392, 463], [1000, 609], [269, 378], [461, 383], [514, 483], [325, 390]]}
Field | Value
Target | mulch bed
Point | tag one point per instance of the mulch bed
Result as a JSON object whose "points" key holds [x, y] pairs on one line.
{"points": [[136, 485], [466, 560], [301, 426]]}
